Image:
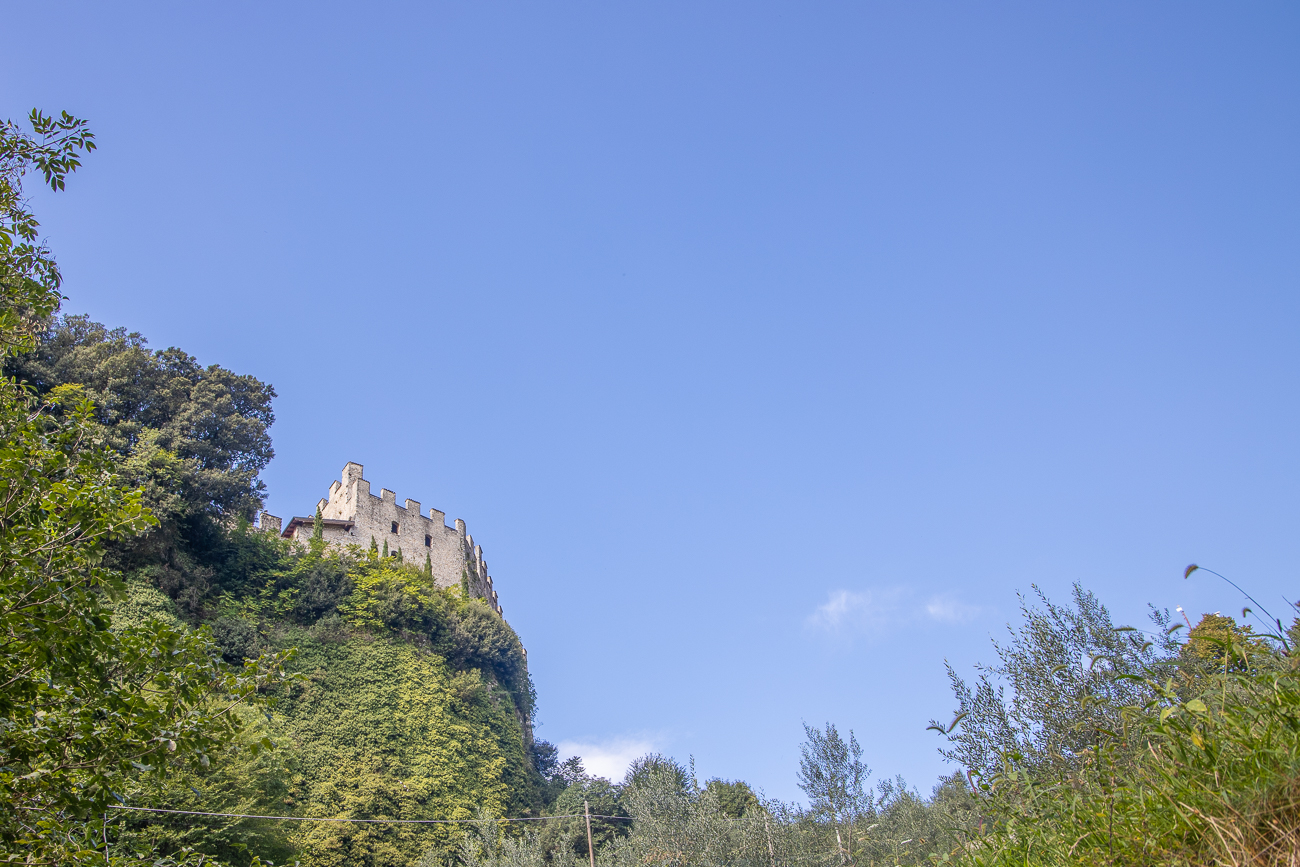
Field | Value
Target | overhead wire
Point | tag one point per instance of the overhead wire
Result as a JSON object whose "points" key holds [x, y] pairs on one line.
{"points": [[348, 819]]}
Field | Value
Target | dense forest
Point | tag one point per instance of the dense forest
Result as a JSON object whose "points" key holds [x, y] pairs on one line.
{"points": [[181, 688]]}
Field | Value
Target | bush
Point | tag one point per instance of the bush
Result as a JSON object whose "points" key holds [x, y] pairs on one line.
{"points": [[1211, 778]]}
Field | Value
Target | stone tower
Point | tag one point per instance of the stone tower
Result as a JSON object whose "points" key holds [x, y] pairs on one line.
{"points": [[353, 516]]}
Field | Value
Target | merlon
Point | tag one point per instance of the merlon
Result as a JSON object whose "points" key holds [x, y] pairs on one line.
{"points": [[353, 516]]}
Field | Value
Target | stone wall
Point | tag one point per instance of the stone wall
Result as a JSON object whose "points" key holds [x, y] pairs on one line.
{"points": [[353, 516]]}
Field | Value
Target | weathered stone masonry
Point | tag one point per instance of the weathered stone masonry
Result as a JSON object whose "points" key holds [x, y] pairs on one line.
{"points": [[353, 516]]}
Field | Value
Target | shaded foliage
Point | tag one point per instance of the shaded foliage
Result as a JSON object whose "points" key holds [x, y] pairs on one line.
{"points": [[735, 797], [89, 708], [193, 439]]}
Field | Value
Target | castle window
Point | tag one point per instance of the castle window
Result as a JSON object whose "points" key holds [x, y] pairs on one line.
{"points": [[428, 541], [394, 526]]}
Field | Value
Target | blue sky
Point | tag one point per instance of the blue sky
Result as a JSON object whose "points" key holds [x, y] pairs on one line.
{"points": [[767, 349]]}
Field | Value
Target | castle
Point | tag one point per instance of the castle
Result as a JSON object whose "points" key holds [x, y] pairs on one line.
{"points": [[354, 516]]}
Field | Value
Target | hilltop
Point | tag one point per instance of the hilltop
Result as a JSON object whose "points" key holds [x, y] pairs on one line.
{"points": [[408, 693]]}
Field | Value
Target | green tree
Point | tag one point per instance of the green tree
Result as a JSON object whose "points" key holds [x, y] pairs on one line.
{"points": [[241, 778], [566, 838], [735, 797], [86, 710], [1059, 687], [486, 843], [1210, 644], [834, 777], [676, 822], [192, 438], [29, 277], [902, 827]]}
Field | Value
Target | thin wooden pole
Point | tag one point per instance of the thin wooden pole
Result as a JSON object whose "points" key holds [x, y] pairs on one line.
{"points": [[591, 853], [770, 851]]}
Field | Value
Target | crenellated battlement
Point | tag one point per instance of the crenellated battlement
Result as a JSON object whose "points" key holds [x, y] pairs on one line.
{"points": [[351, 515]]}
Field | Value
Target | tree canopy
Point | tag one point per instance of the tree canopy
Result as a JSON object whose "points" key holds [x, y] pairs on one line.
{"points": [[193, 437]]}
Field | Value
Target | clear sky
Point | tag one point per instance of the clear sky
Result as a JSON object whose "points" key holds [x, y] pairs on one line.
{"points": [[767, 349]]}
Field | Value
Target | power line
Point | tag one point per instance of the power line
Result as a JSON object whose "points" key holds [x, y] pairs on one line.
{"points": [[334, 819], [345, 819]]}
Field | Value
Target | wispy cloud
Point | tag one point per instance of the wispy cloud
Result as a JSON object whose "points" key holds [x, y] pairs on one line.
{"points": [[853, 610], [945, 608], [880, 610], [607, 758]]}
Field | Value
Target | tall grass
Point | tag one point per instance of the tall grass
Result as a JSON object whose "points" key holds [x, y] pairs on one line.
{"points": [[1208, 772]]}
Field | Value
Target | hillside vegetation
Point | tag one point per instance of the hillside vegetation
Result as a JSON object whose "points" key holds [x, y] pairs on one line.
{"points": [[401, 700], [158, 652], [393, 698]]}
